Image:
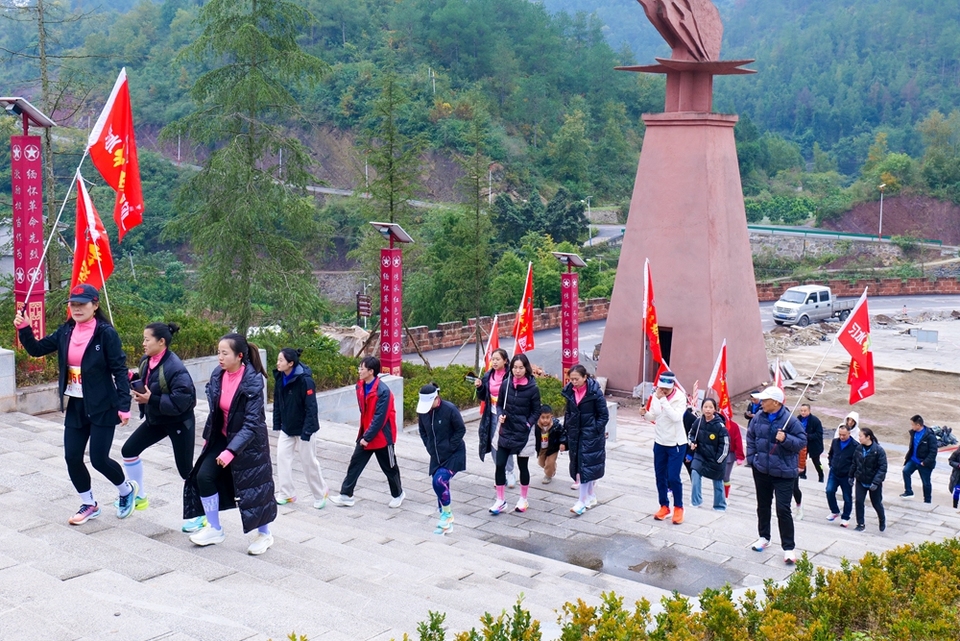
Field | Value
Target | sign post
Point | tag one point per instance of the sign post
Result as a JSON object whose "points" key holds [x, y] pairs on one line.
{"points": [[569, 311], [391, 298], [26, 174]]}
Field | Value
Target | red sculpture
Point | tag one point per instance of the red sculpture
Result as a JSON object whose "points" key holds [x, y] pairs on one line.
{"points": [[692, 28]]}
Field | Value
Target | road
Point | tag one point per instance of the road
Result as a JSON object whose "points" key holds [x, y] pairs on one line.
{"points": [[547, 352]]}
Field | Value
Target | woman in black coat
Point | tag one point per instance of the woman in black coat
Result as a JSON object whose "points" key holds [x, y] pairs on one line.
{"points": [[866, 475], [585, 423], [296, 417], [442, 431], [710, 444], [488, 389], [518, 408], [164, 390], [234, 468], [93, 375]]}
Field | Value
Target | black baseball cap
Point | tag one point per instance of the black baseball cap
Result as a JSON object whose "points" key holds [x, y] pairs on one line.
{"points": [[84, 293]]}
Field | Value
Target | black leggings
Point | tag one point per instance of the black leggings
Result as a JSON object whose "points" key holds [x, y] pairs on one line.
{"points": [[182, 438], [100, 438], [209, 469], [500, 475]]}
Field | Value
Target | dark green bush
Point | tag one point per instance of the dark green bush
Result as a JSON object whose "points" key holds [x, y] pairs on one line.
{"points": [[449, 379]]}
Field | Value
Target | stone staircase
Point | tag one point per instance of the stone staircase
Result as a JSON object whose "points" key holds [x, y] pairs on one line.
{"points": [[370, 572]]}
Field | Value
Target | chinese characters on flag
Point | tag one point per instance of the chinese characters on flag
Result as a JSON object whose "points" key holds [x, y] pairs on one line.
{"points": [[569, 320], [493, 343], [113, 148], [854, 335], [92, 260], [391, 310], [650, 326], [718, 383], [523, 324], [27, 186]]}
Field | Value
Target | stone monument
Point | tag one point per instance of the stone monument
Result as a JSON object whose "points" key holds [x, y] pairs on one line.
{"points": [[687, 217]]}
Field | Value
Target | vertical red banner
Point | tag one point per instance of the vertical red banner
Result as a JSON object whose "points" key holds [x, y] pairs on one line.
{"points": [[27, 183], [391, 311], [569, 321]]}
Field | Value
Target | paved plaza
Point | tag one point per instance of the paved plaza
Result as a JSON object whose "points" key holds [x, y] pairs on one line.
{"points": [[370, 572]]}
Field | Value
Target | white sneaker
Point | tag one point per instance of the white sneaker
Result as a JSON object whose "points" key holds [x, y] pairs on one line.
{"points": [[578, 508], [341, 500], [208, 535], [498, 507], [575, 485], [760, 544], [547, 479], [790, 557], [845, 523], [321, 502], [592, 500], [799, 512], [833, 517], [260, 544], [522, 505], [397, 501], [511, 479]]}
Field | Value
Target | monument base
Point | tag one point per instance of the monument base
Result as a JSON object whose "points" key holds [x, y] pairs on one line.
{"points": [[687, 217]]}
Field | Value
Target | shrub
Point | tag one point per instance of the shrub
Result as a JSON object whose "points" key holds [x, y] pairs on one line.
{"points": [[450, 380]]}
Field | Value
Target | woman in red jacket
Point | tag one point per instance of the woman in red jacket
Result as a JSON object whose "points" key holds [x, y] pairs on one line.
{"points": [[377, 435]]}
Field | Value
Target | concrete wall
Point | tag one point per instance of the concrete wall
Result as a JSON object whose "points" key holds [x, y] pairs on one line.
{"points": [[878, 287], [8, 381], [797, 247], [340, 405]]}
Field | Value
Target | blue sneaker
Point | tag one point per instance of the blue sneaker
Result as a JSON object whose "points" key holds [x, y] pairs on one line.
{"points": [[125, 504], [140, 504], [445, 524], [194, 525]]}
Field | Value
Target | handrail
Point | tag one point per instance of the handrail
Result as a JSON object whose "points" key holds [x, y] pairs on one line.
{"points": [[834, 234]]}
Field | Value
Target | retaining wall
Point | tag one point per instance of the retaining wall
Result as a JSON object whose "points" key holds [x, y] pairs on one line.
{"points": [[877, 287]]}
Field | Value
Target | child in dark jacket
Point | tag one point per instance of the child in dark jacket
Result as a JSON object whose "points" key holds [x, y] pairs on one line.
{"points": [[550, 440]]}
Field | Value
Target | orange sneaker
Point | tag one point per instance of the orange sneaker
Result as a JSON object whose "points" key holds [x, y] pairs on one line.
{"points": [[677, 515], [662, 513]]}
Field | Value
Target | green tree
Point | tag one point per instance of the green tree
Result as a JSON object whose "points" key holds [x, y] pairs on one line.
{"points": [[570, 149], [247, 217], [564, 219]]}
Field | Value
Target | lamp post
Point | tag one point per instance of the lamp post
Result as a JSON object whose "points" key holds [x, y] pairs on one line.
{"points": [[569, 311], [880, 229], [391, 298]]}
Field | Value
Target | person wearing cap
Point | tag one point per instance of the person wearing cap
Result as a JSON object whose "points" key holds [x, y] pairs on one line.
{"points": [[377, 435], [774, 440], [667, 406], [442, 431], [93, 376], [921, 457]]}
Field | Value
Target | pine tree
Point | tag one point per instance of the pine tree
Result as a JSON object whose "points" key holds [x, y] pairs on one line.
{"points": [[246, 214]]}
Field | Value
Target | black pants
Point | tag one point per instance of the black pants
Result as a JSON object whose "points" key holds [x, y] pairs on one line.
{"points": [[816, 464], [770, 487], [77, 432], [876, 498], [797, 494], [388, 463], [209, 470], [500, 475], [182, 438]]}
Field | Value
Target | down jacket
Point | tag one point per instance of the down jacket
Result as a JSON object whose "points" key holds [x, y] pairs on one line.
{"points": [[295, 403], [586, 427], [766, 454], [869, 466], [713, 444], [488, 419], [954, 462], [840, 459], [103, 369], [249, 483], [378, 417], [814, 435], [442, 431], [555, 437], [172, 392], [521, 404], [926, 451]]}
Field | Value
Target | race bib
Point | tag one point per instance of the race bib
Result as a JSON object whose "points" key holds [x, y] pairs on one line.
{"points": [[74, 387]]}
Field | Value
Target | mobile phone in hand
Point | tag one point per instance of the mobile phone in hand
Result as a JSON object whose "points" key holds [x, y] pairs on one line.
{"points": [[138, 386]]}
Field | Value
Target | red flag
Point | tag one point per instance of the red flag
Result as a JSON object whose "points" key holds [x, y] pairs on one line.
{"points": [[92, 260], [778, 375], [718, 383], [523, 324], [854, 335], [493, 343], [861, 380], [113, 148], [650, 326]]}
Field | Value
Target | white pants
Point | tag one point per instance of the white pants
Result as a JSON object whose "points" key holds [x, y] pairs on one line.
{"points": [[287, 446]]}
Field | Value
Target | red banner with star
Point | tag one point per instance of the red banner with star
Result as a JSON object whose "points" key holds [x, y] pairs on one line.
{"points": [[391, 311], [27, 185], [569, 320]]}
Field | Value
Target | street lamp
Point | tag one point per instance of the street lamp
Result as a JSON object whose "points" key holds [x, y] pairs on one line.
{"points": [[880, 229], [589, 222]]}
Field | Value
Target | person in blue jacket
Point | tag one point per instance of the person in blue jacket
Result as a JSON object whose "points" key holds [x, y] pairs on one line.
{"points": [[774, 441], [296, 417], [921, 457], [442, 431]]}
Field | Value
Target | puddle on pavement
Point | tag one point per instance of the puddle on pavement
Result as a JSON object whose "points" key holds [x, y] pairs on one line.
{"points": [[629, 557]]}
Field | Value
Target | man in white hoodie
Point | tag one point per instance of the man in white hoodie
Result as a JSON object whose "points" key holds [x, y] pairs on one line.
{"points": [[669, 443]]}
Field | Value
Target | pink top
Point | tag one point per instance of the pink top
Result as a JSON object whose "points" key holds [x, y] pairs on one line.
{"points": [[519, 381], [579, 393], [154, 361], [228, 389], [79, 339], [496, 380]]}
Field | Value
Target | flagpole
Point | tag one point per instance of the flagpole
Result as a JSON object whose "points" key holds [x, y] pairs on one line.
{"points": [[810, 380], [53, 229], [643, 328]]}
